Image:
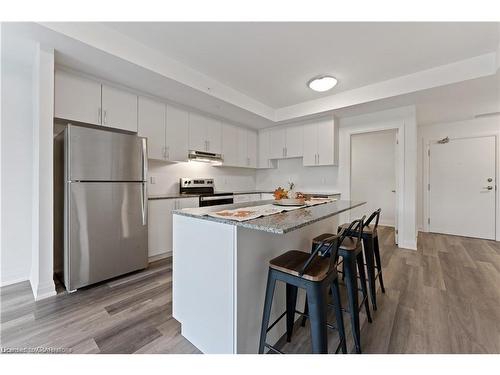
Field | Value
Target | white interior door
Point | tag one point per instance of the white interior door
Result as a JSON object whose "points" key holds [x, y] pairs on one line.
{"points": [[462, 187], [373, 177]]}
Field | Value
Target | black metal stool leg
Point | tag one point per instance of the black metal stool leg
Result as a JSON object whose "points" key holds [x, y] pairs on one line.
{"points": [[376, 251], [291, 304], [362, 279], [352, 297], [306, 312], [271, 282], [317, 308], [370, 268], [338, 314]]}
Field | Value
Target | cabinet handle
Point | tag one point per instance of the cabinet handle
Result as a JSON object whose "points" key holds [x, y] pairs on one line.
{"points": [[99, 115], [167, 152], [105, 115], [286, 152]]}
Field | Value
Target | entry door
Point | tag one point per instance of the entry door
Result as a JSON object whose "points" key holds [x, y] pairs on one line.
{"points": [[462, 187]]}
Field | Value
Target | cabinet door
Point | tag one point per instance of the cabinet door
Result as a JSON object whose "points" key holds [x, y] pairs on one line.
{"points": [[177, 134], [241, 198], [277, 143], [77, 98], [310, 148], [252, 148], [119, 109], [326, 142], [230, 145], [151, 124], [197, 133], [294, 142], [160, 226], [187, 203], [263, 157], [214, 135], [242, 148]]}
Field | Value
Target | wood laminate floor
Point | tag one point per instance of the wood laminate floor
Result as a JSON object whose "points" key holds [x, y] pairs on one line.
{"points": [[442, 298]]}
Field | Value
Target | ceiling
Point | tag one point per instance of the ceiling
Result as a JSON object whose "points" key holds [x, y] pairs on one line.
{"points": [[459, 101], [271, 62]]}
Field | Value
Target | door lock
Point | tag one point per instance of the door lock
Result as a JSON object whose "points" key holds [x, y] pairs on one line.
{"points": [[489, 179]]}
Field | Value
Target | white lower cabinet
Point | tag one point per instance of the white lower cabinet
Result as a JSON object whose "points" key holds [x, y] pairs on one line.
{"points": [[241, 198], [266, 196], [160, 223]]}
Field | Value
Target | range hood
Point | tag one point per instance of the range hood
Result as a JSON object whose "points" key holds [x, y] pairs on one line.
{"points": [[205, 157]]}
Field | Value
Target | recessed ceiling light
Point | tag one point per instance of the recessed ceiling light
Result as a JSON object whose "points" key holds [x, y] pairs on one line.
{"points": [[322, 83]]}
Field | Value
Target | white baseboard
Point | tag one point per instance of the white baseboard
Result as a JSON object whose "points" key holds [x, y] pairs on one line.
{"points": [[44, 290], [156, 257], [13, 280], [410, 245]]}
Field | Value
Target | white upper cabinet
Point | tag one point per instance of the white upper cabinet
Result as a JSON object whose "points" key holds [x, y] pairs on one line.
{"points": [[230, 153], [264, 158], [205, 134], [243, 147], [151, 124], [310, 149], [321, 143], [177, 134], [293, 142], [77, 98], [119, 109], [252, 148], [214, 136], [277, 143], [239, 146], [285, 142]]}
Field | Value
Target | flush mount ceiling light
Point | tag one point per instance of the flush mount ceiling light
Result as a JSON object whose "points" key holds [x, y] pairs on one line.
{"points": [[322, 83]]}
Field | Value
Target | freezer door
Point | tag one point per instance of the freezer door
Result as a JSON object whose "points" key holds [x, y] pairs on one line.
{"points": [[106, 231], [101, 155]]}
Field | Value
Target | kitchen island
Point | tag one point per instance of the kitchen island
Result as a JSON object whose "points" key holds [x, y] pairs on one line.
{"points": [[220, 270]]}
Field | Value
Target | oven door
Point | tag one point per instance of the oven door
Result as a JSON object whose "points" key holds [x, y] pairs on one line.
{"points": [[215, 200]]}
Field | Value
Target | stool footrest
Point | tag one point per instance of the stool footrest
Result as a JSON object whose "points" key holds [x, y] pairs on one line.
{"points": [[273, 348], [275, 322]]}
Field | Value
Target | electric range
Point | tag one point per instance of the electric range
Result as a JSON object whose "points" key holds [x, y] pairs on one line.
{"points": [[206, 190]]}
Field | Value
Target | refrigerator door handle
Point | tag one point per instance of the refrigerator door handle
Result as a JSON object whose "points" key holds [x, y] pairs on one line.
{"points": [[144, 203], [144, 182]]}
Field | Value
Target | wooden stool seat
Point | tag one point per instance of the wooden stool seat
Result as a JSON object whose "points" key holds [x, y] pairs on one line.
{"points": [[348, 244], [368, 230], [292, 262]]}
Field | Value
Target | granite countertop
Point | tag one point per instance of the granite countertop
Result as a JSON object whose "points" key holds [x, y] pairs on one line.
{"points": [[241, 192], [282, 223]]}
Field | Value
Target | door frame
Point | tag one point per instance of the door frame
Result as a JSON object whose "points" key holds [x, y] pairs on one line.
{"points": [[399, 127], [426, 177]]}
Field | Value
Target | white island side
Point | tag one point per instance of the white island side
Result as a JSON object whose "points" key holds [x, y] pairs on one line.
{"points": [[220, 271]]}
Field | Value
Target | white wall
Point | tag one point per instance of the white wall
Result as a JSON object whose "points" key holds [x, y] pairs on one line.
{"points": [[226, 179], [403, 118], [308, 179], [373, 173], [17, 158], [466, 128]]}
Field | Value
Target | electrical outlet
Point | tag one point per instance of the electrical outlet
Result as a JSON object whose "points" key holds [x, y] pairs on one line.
{"points": [[152, 180]]}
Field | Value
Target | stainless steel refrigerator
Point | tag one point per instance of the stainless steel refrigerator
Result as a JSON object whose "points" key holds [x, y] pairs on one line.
{"points": [[105, 204]]}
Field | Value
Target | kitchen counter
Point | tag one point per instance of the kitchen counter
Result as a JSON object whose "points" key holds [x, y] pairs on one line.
{"points": [[223, 265], [240, 192], [279, 223]]}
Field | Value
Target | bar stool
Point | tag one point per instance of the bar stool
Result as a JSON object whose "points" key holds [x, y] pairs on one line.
{"points": [[350, 250], [315, 272], [372, 254]]}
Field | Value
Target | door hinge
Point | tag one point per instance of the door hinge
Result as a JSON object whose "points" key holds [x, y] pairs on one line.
{"points": [[428, 220], [429, 187], [429, 152]]}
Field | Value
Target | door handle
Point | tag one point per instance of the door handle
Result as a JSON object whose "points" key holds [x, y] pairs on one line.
{"points": [[144, 203], [488, 187], [393, 191]]}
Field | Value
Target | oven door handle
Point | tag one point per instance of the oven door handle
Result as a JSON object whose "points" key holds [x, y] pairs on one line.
{"points": [[215, 198]]}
